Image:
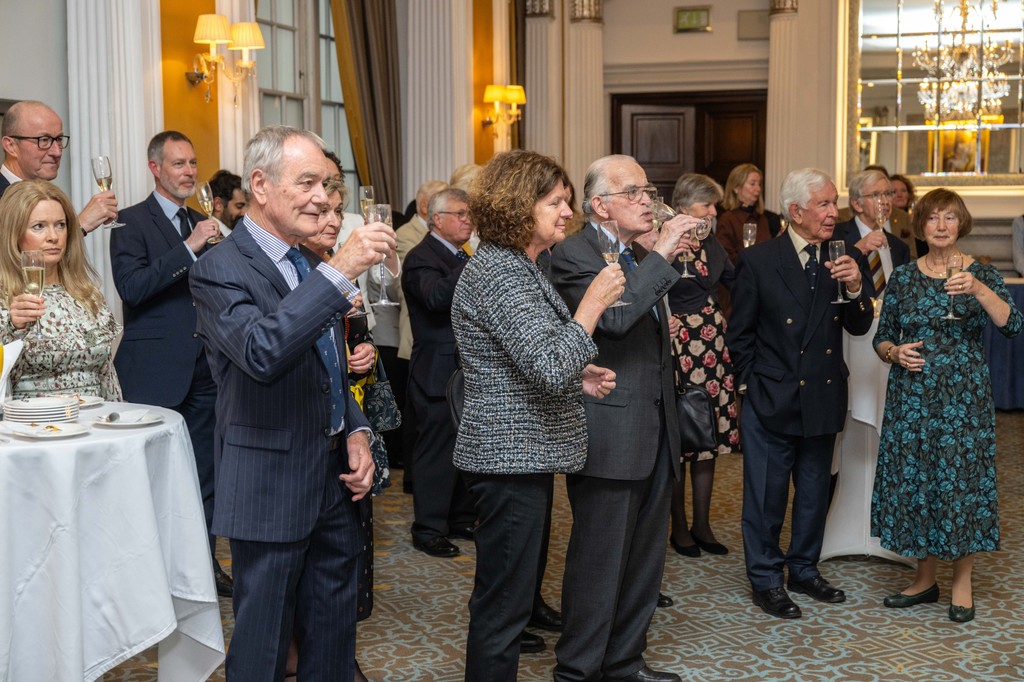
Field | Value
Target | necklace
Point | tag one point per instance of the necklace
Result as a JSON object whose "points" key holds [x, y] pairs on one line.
{"points": [[941, 272]]}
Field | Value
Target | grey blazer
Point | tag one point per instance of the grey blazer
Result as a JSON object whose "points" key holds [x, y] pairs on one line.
{"points": [[625, 426]]}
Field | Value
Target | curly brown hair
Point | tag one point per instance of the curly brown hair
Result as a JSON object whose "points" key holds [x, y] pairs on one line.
{"points": [[939, 200], [503, 195]]}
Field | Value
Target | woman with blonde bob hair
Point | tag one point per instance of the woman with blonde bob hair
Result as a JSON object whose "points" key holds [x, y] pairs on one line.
{"points": [[743, 203], [75, 355]]}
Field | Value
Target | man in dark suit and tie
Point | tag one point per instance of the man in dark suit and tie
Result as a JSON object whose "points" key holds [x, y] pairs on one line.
{"points": [[292, 447], [786, 340], [620, 501], [871, 201], [441, 503], [160, 360]]}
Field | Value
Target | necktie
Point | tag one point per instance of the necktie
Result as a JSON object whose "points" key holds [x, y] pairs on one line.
{"points": [[628, 259], [184, 224], [461, 255], [877, 274], [811, 267], [328, 351]]}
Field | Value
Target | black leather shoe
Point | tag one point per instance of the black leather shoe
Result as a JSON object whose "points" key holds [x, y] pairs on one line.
{"points": [[692, 551], [961, 614], [461, 532], [530, 643], [775, 602], [438, 546], [645, 674], [818, 588], [664, 601], [709, 547], [545, 617], [225, 586], [902, 601]]}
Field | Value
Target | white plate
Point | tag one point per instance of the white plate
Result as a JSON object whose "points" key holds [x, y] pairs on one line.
{"points": [[148, 420], [35, 403], [84, 400], [41, 432]]}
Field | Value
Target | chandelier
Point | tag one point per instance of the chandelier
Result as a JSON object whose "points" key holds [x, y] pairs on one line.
{"points": [[964, 80]]}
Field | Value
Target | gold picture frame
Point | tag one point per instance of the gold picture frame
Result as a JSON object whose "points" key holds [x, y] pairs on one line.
{"points": [[692, 19]]}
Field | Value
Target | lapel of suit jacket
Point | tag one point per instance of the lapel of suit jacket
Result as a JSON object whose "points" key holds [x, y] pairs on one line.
{"points": [[258, 259], [446, 257], [792, 273], [639, 254], [168, 230], [825, 290]]}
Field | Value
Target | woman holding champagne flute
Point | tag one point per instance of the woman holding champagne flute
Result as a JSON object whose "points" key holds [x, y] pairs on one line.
{"points": [[935, 485], [72, 353]]}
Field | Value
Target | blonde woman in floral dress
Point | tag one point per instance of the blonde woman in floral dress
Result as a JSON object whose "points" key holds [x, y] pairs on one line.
{"points": [[75, 356]]}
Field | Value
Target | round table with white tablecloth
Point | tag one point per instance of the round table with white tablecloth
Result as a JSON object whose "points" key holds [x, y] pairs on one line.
{"points": [[104, 553]]}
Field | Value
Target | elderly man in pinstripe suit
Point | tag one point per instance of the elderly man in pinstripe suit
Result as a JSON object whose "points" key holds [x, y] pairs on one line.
{"points": [[291, 447]]}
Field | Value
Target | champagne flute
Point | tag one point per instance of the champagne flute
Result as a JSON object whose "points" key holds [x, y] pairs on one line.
{"points": [[365, 201], [105, 179], [608, 240], [749, 234], [954, 264], [882, 209], [205, 197], [33, 266], [381, 213], [837, 249]]}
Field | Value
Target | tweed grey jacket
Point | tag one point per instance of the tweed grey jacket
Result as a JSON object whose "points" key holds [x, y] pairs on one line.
{"points": [[522, 355]]}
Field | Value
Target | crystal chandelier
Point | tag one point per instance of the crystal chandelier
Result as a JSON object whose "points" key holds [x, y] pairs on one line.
{"points": [[964, 80]]}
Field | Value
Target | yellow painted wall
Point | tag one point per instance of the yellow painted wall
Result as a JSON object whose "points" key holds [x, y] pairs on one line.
{"points": [[185, 107], [483, 74]]}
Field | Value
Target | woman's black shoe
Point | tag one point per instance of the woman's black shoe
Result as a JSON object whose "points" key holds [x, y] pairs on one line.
{"points": [[709, 547], [902, 601], [692, 551]]}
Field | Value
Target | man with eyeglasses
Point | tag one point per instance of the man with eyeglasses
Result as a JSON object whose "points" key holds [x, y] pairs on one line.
{"points": [[34, 142], [871, 198], [441, 505], [620, 501]]}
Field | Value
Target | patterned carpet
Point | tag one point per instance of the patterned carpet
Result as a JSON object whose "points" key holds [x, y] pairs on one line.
{"points": [[417, 631]]}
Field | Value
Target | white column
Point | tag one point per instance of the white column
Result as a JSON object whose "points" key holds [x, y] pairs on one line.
{"points": [[237, 124], [116, 105], [543, 114], [500, 60], [439, 96], [785, 78], [585, 133]]}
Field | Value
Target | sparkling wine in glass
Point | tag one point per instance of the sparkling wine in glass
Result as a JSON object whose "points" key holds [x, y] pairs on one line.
{"points": [[749, 234], [365, 201], [204, 195], [882, 210], [608, 240], [954, 264], [837, 249], [381, 213], [33, 266], [105, 179]]}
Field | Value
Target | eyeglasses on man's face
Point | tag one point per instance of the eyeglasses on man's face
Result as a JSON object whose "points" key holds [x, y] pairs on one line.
{"points": [[45, 141], [633, 193], [875, 196], [461, 215]]}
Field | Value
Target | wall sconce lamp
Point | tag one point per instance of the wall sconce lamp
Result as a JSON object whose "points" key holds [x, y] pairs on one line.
{"points": [[214, 30], [509, 95]]}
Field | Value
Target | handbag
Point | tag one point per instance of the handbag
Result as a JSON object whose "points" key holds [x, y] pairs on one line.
{"points": [[455, 391], [698, 431], [379, 404]]}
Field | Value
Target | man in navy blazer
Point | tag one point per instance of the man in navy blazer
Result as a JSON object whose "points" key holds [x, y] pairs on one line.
{"points": [[160, 360], [292, 447], [786, 340], [441, 504], [871, 198]]}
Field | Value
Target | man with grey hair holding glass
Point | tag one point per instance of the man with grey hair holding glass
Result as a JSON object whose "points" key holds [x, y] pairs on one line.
{"points": [[786, 341]]}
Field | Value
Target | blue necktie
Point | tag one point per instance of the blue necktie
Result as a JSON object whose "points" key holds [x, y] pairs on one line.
{"points": [[328, 351], [811, 267], [627, 257], [184, 224], [461, 255]]}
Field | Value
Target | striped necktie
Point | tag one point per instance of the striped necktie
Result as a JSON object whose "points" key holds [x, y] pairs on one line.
{"points": [[877, 274]]}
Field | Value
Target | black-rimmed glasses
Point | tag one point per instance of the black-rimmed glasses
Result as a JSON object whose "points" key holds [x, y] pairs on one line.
{"points": [[45, 141], [633, 193]]}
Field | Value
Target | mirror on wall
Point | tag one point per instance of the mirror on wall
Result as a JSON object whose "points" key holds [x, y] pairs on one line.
{"points": [[936, 88]]}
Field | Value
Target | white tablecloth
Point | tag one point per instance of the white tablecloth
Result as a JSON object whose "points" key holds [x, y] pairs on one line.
{"points": [[104, 553]]}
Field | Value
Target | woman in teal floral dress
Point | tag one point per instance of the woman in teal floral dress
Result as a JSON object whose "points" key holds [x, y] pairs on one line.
{"points": [[935, 485]]}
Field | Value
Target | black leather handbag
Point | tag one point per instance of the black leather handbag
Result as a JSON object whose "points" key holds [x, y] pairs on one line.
{"points": [[698, 430], [456, 394]]}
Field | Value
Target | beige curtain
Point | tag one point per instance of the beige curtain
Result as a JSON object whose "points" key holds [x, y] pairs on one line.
{"points": [[367, 37]]}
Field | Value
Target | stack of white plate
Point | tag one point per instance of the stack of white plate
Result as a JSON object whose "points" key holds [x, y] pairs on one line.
{"points": [[41, 410]]}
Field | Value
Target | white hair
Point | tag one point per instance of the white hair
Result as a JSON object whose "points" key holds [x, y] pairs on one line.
{"points": [[798, 187]]}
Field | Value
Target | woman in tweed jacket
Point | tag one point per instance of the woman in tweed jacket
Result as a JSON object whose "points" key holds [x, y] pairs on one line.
{"points": [[526, 363]]}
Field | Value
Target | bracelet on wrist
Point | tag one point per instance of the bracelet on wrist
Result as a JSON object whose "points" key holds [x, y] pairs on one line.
{"points": [[888, 353]]}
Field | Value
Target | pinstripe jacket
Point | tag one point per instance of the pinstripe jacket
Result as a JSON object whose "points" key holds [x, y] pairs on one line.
{"points": [[522, 354]]}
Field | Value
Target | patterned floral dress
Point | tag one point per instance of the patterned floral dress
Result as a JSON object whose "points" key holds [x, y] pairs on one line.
{"points": [[76, 358], [700, 343], [935, 485]]}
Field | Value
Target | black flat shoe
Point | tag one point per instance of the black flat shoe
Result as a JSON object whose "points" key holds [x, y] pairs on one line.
{"points": [[225, 585], [664, 601], [902, 601], [645, 674], [692, 551], [545, 617], [437, 546], [775, 602], [530, 643], [818, 588], [709, 547], [961, 614]]}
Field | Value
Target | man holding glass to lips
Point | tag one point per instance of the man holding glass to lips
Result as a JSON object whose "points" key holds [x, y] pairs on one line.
{"points": [[786, 340], [620, 500]]}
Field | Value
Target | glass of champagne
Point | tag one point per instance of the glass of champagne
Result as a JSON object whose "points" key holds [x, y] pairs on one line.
{"points": [[954, 264], [33, 266], [365, 200], [749, 234], [836, 250], [380, 213], [204, 195], [608, 240], [882, 209], [105, 179]]}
